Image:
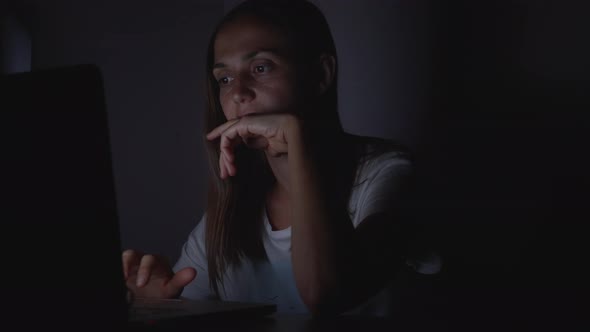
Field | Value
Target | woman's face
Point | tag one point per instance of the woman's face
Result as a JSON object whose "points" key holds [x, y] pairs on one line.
{"points": [[253, 69]]}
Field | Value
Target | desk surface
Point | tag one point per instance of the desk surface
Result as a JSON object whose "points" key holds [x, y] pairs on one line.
{"points": [[277, 323], [537, 309]]}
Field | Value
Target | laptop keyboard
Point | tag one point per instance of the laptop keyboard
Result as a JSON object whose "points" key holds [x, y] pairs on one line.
{"points": [[146, 309]]}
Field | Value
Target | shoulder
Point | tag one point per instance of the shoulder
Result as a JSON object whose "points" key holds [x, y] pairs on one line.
{"points": [[197, 235], [379, 157], [384, 173]]}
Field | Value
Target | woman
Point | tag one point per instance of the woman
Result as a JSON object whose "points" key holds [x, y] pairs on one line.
{"points": [[299, 213]]}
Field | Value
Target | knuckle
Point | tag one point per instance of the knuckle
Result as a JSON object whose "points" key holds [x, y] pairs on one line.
{"points": [[128, 259], [148, 260], [144, 271], [128, 253]]}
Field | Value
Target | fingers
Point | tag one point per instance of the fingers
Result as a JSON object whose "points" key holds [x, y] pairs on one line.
{"points": [[131, 259], [151, 276], [226, 158], [221, 166], [179, 281], [228, 141], [228, 166], [234, 132], [278, 149], [146, 266], [225, 167], [238, 134], [257, 143], [215, 133]]}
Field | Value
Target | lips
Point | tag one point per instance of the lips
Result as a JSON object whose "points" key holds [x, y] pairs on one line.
{"points": [[242, 114]]}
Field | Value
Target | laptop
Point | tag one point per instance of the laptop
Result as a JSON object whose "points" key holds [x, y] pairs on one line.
{"points": [[60, 227]]}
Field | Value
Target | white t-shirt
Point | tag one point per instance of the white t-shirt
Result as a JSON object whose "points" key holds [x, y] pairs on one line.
{"points": [[377, 184]]}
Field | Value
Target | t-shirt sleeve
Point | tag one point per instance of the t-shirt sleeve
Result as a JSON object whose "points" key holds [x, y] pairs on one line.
{"points": [[193, 255], [384, 180]]}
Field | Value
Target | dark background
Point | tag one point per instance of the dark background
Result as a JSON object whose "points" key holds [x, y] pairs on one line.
{"points": [[152, 57], [492, 96]]}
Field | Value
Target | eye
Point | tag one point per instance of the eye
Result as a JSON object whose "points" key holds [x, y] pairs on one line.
{"points": [[224, 80], [261, 68]]}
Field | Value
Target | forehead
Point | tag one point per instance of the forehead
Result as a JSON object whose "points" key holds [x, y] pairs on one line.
{"points": [[247, 34]]}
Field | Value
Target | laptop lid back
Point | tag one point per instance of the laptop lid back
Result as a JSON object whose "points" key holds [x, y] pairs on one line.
{"points": [[60, 232]]}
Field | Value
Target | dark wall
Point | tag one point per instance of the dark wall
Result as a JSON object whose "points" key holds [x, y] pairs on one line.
{"points": [[152, 57], [384, 66]]}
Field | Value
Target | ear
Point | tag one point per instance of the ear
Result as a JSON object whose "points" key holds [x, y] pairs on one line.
{"points": [[327, 73]]}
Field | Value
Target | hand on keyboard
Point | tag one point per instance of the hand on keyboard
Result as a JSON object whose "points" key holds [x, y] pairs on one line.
{"points": [[150, 276]]}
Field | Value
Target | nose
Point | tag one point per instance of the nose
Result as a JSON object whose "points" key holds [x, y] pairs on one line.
{"points": [[241, 91]]}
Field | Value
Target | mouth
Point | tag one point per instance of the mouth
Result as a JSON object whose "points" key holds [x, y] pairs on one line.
{"points": [[247, 113]]}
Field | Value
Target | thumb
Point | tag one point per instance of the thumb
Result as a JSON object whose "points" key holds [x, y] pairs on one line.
{"points": [[181, 279]]}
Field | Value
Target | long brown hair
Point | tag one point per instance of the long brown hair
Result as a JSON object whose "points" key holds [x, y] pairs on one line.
{"points": [[234, 214]]}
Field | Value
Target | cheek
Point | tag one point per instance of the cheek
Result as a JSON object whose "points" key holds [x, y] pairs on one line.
{"points": [[284, 99], [226, 106]]}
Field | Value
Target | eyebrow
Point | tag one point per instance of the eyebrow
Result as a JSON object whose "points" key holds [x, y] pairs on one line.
{"points": [[250, 55]]}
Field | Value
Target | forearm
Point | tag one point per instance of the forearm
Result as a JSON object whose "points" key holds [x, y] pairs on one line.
{"points": [[324, 249]]}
